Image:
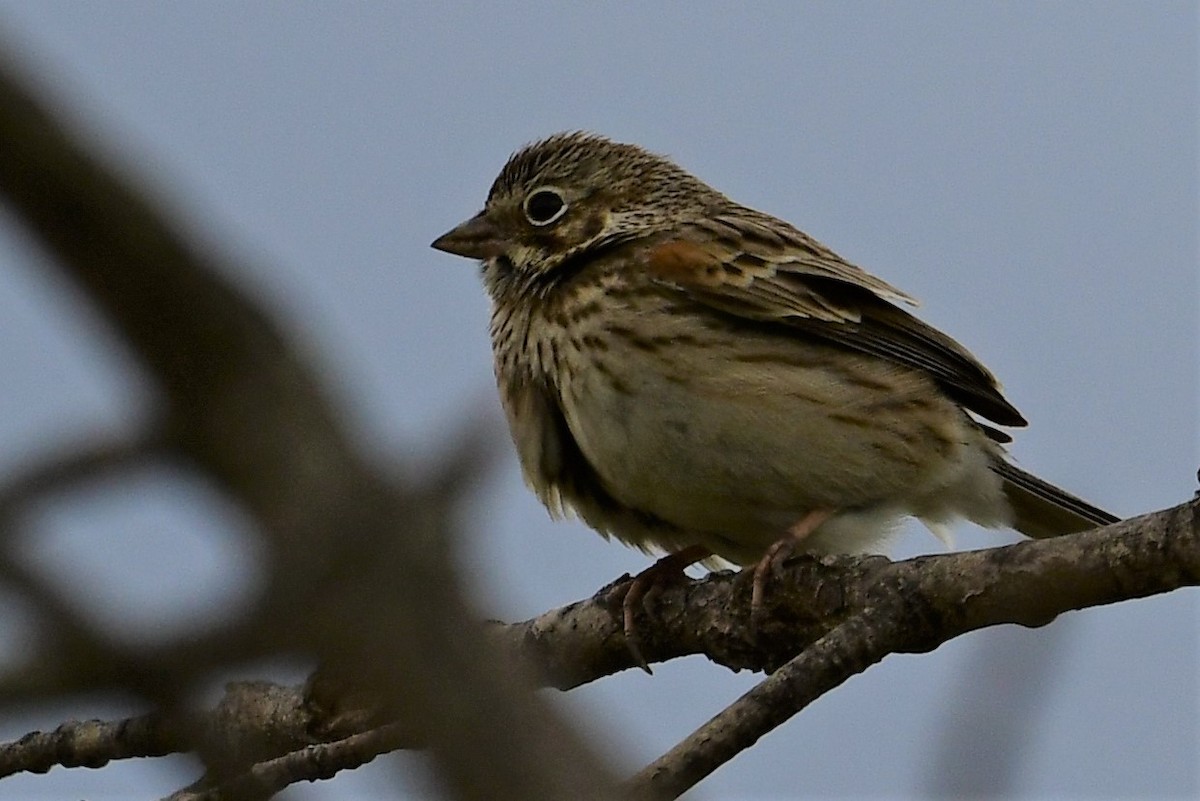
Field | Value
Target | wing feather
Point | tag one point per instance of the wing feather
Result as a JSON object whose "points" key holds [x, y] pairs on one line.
{"points": [[760, 269]]}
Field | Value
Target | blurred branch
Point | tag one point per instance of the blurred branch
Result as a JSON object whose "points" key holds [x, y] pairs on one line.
{"points": [[63, 470], [351, 552], [994, 717]]}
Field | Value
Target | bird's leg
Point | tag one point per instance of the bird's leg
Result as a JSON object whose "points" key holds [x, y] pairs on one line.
{"points": [[666, 570], [780, 550]]}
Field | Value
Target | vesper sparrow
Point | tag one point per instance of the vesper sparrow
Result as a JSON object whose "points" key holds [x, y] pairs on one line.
{"points": [[691, 375]]}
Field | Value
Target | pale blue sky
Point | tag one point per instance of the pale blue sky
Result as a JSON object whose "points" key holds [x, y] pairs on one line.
{"points": [[1028, 170]]}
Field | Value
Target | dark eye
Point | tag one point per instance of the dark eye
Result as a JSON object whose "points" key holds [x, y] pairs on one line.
{"points": [[544, 206]]}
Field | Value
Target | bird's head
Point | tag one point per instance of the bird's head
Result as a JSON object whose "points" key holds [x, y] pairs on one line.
{"points": [[574, 194]]}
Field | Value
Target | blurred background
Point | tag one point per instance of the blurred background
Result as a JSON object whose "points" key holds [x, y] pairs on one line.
{"points": [[1029, 171]]}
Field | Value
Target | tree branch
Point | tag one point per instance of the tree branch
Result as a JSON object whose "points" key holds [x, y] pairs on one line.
{"points": [[916, 605], [827, 619]]}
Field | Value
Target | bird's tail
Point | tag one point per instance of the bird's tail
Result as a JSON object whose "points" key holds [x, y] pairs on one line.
{"points": [[1042, 510]]}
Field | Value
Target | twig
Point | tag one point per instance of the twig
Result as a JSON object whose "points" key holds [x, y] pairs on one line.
{"points": [[93, 744], [310, 764]]}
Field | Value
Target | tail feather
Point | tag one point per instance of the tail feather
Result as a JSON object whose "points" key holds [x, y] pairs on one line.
{"points": [[1042, 510]]}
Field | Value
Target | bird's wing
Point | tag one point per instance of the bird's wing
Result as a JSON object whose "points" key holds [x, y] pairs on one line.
{"points": [[561, 476], [760, 269]]}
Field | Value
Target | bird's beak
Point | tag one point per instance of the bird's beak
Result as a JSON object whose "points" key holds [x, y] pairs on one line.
{"points": [[477, 238]]}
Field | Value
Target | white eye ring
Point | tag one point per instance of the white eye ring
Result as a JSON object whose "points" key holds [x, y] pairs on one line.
{"points": [[544, 205]]}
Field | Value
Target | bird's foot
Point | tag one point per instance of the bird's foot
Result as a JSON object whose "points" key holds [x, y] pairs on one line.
{"points": [[777, 554], [645, 585]]}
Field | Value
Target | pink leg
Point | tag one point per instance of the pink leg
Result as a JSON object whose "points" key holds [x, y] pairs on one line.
{"points": [[666, 570], [781, 550]]}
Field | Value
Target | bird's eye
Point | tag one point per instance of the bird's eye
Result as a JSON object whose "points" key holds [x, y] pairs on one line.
{"points": [[544, 206]]}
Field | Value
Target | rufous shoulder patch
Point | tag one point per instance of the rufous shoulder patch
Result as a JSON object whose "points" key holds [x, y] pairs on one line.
{"points": [[685, 263]]}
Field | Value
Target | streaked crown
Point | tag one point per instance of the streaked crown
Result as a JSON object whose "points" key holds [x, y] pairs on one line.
{"points": [[575, 192]]}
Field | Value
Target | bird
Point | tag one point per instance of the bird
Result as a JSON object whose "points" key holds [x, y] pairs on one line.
{"points": [[697, 378]]}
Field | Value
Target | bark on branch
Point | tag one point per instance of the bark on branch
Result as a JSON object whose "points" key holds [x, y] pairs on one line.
{"points": [[827, 620]]}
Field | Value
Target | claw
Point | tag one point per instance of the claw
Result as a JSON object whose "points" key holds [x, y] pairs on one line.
{"points": [[666, 570], [777, 554], [779, 551]]}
